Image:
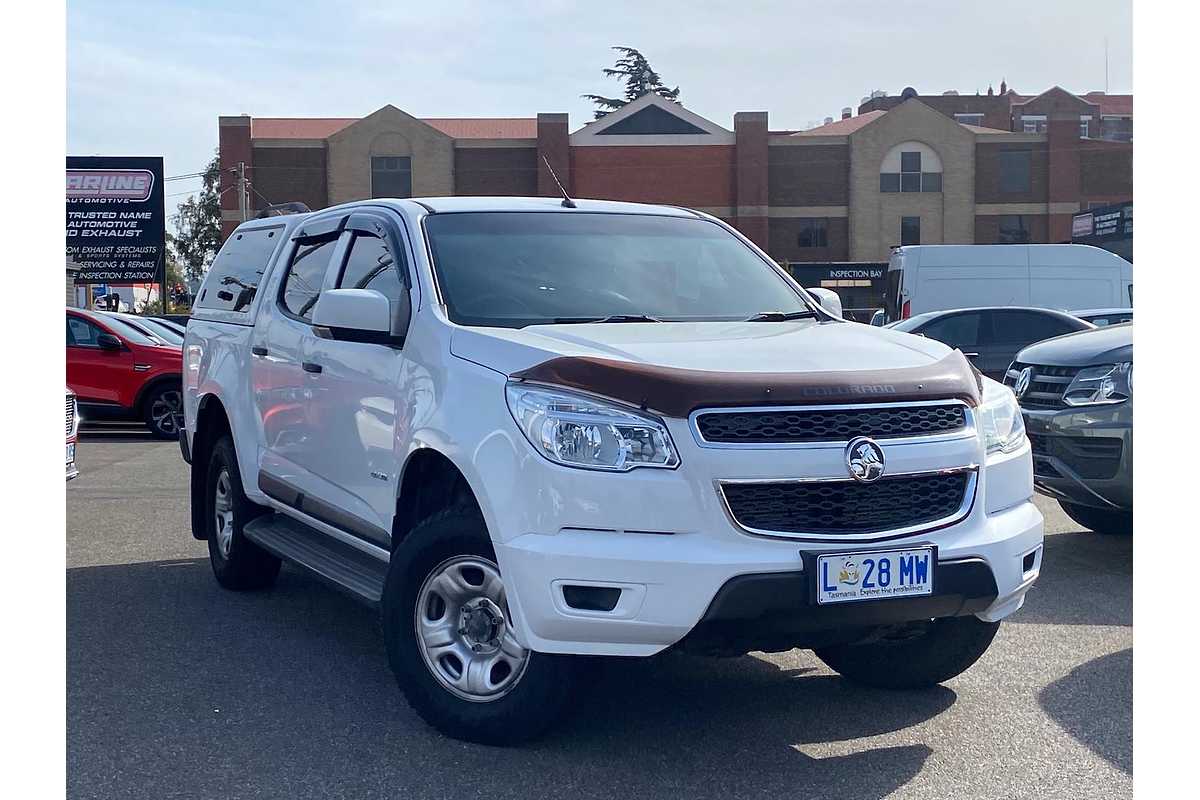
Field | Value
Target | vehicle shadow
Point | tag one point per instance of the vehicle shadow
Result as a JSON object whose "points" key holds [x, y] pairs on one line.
{"points": [[1070, 701], [178, 688], [1086, 579]]}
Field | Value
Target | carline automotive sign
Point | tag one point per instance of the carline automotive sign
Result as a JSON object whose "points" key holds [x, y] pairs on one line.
{"points": [[116, 223]]}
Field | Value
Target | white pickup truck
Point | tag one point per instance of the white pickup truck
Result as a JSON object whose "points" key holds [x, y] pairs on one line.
{"points": [[525, 430]]}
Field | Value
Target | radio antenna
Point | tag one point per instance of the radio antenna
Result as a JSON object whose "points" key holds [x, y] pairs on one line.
{"points": [[567, 201]]}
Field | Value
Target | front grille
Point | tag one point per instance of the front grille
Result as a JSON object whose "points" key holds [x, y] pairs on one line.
{"points": [[848, 507], [1046, 386], [828, 425], [1089, 457], [70, 414]]}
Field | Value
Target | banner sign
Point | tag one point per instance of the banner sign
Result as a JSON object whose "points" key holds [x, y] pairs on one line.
{"points": [[116, 220], [1115, 221], [845, 270]]}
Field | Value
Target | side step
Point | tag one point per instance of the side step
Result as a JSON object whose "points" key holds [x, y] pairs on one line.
{"points": [[350, 570]]}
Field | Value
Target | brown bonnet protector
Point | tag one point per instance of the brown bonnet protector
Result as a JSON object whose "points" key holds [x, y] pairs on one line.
{"points": [[677, 392]]}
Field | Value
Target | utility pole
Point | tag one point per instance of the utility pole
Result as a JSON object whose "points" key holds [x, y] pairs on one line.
{"points": [[241, 190]]}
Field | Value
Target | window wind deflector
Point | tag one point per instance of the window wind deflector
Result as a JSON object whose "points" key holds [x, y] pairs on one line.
{"points": [[782, 316], [330, 227]]}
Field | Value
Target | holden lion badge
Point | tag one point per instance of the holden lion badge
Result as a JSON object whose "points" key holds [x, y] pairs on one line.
{"points": [[864, 460]]}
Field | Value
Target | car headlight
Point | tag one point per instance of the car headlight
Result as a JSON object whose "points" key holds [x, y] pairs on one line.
{"points": [[580, 431], [1000, 423], [1109, 383]]}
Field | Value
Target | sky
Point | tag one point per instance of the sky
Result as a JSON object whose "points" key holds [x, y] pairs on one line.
{"points": [[151, 77]]}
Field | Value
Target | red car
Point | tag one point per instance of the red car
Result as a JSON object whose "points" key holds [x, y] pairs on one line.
{"points": [[118, 372]]}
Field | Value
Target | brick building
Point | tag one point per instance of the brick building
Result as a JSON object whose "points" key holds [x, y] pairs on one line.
{"points": [[907, 171]]}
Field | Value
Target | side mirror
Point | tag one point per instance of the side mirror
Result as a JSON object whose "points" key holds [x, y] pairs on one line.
{"points": [[106, 341], [829, 300], [354, 315]]}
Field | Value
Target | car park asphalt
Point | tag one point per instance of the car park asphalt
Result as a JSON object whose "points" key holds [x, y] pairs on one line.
{"points": [[177, 688]]}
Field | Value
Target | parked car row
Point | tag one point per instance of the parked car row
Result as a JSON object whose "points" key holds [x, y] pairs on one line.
{"points": [[123, 368]]}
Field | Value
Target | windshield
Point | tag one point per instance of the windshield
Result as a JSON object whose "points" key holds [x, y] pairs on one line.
{"points": [[912, 323], [160, 330], [128, 332], [512, 269]]}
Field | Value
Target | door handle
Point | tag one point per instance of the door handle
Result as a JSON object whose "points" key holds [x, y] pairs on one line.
{"points": [[258, 351], [309, 366], [971, 355]]}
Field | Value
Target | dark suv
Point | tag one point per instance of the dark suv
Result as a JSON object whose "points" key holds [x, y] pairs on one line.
{"points": [[1076, 395]]}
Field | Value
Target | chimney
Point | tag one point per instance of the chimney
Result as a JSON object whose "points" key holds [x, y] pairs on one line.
{"points": [[828, 120], [846, 112], [990, 91], [1003, 86]]}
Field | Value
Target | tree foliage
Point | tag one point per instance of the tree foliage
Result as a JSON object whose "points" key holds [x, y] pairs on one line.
{"points": [[197, 228], [639, 78]]}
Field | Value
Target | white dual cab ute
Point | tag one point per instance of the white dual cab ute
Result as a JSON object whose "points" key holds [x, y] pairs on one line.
{"points": [[526, 430]]}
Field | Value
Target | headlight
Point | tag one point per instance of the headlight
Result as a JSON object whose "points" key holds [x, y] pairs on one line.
{"points": [[1000, 423], [580, 431], [1110, 383]]}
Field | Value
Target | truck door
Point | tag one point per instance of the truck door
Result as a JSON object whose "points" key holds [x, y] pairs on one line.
{"points": [[363, 385], [285, 393]]}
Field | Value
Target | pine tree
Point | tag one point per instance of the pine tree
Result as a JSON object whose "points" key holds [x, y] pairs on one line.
{"points": [[639, 78]]}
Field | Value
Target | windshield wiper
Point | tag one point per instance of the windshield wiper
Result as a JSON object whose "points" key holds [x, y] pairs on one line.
{"points": [[781, 316], [610, 318]]}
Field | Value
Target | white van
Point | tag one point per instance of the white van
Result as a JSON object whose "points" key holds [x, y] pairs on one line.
{"points": [[924, 278]]}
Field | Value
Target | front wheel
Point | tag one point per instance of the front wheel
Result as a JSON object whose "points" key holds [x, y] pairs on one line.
{"points": [[451, 642], [163, 411], [1100, 520], [916, 656]]}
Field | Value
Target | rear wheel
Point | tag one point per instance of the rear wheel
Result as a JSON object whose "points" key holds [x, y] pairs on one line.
{"points": [[163, 410], [237, 562], [451, 643], [1101, 520], [915, 656]]}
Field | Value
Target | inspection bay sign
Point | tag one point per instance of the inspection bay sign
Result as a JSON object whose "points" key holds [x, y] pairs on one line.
{"points": [[116, 222]]}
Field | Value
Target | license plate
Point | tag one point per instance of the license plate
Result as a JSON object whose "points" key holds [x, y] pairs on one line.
{"points": [[71, 452], [881, 575]]}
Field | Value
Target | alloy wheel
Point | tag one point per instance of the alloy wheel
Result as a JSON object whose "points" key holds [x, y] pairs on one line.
{"points": [[166, 412]]}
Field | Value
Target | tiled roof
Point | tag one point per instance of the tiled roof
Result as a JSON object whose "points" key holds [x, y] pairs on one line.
{"points": [[297, 128], [1120, 104], [486, 128], [459, 128], [842, 127]]}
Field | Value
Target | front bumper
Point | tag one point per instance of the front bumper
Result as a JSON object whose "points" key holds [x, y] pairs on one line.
{"points": [[1062, 466], [683, 585]]}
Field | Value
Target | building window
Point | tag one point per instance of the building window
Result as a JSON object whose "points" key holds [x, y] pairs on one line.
{"points": [[814, 232], [970, 119], [1085, 122], [1014, 171], [910, 178], [1033, 124], [1116, 129], [910, 230], [1014, 229], [391, 176]]}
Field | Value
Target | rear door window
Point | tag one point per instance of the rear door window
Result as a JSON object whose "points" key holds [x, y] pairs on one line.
{"points": [[235, 273], [956, 330], [1022, 327]]}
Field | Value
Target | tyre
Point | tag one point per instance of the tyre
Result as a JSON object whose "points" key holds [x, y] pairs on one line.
{"points": [[450, 640], [162, 410], [1101, 520], [914, 657], [237, 562]]}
